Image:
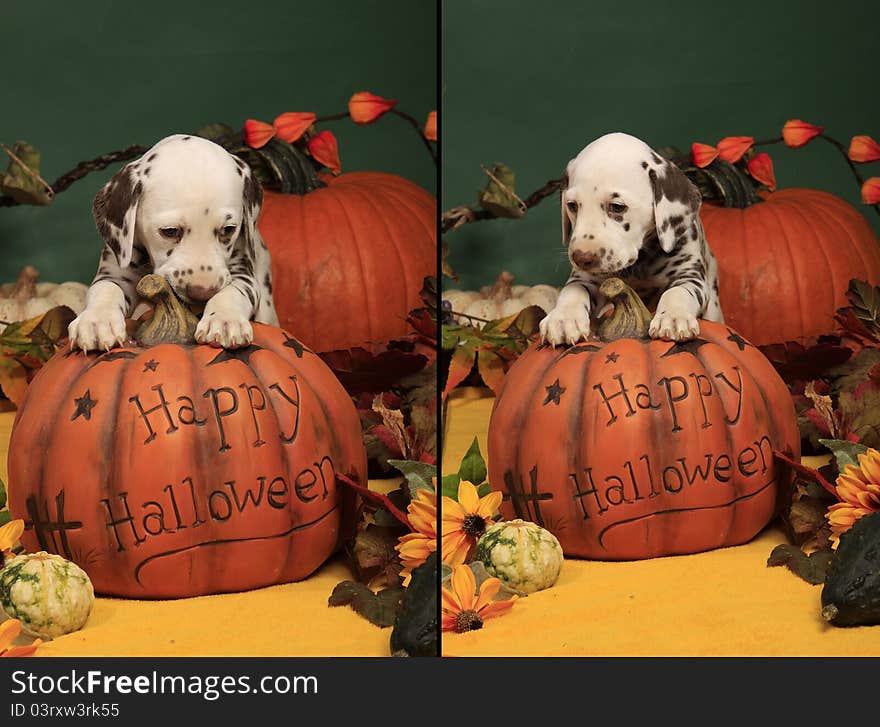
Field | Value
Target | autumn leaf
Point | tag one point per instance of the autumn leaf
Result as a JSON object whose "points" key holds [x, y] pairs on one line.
{"points": [[292, 125], [761, 168], [463, 359], [257, 133], [703, 154], [379, 608], [492, 368], [365, 107], [811, 568], [325, 150], [22, 180], [796, 133], [499, 197], [732, 148], [863, 149]]}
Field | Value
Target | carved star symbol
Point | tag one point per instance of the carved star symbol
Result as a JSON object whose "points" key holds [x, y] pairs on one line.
{"points": [[151, 365], [690, 346], [738, 340], [115, 356], [297, 347], [612, 357], [239, 354], [554, 392], [84, 406]]}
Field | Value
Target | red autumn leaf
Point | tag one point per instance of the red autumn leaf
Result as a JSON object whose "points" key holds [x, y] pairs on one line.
{"points": [[703, 154], [761, 168], [863, 149], [324, 149], [365, 107], [292, 125], [796, 133], [459, 367], [492, 369], [430, 131], [257, 133], [376, 369], [871, 191], [731, 148]]}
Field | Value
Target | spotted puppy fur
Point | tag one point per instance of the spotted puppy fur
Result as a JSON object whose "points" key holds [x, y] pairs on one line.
{"points": [[186, 210], [628, 213]]}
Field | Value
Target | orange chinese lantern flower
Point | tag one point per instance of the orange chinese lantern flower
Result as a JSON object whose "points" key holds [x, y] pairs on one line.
{"points": [[430, 131], [257, 133], [703, 154], [871, 191], [863, 149], [365, 107], [324, 149], [761, 168], [796, 133], [732, 148], [292, 125]]}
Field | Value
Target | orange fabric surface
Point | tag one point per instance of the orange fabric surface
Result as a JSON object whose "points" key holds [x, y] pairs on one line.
{"points": [[287, 620], [724, 602]]}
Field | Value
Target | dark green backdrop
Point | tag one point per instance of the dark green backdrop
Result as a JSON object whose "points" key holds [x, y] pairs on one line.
{"points": [[530, 84], [85, 77]]}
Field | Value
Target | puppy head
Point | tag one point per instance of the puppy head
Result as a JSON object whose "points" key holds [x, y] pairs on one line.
{"points": [[618, 193], [192, 206]]}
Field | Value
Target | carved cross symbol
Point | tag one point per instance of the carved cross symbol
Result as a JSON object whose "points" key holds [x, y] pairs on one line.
{"points": [[45, 528], [520, 499]]}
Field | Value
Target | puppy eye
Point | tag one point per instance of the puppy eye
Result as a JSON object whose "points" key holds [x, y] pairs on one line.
{"points": [[617, 208], [229, 230], [171, 233], [572, 207]]}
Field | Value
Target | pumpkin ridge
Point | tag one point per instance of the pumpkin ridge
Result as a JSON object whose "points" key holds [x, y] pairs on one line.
{"points": [[409, 204], [847, 219], [772, 213], [795, 210]]}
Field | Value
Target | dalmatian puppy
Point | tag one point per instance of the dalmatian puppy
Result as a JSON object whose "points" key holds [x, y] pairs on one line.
{"points": [[186, 210], [628, 213]]}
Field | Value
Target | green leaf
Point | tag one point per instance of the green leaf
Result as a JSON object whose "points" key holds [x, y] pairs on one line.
{"points": [[484, 489], [473, 466], [811, 568], [215, 131], [865, 300], [418, 474], [449, 485], [2, 494], [499, 196], [845, 452], [22, 180], [5, 517], [379, 608]]}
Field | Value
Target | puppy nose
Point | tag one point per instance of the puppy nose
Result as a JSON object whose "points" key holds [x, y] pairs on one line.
{"points": [[582, 259], [200, 292]]}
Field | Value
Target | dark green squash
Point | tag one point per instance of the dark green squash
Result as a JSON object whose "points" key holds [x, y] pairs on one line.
{"points": [[415, 628], [851, 594]]}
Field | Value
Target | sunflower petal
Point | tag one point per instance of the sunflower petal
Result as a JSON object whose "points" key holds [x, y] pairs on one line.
{"points": [[9, 631], [10, 534], [489, 504], [497, 608], [468, 497], [465, 585], [488, 589]]}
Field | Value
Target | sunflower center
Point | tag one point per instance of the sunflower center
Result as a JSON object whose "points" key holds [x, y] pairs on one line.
{"points": [[473, 525], [468, 621]]}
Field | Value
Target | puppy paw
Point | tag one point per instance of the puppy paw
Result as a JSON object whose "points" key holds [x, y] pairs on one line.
{"points": [[566, 325], [224, 331], [97, 329], [673, 325]]}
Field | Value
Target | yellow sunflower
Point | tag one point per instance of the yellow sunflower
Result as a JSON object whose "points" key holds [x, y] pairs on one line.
{"points": [[859, 491], [463, 609], [9, 535], [465, 521], [414, 548], [9, 631]]}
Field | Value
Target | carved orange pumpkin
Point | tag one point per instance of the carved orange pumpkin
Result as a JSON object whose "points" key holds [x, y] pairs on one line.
{"points": [[349, 258], [180, 470], [638, 448], [785, 263]]}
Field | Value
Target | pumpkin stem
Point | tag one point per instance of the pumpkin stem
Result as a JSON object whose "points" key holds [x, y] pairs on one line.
{"points": [[723, 184], [501, 289], [172, 321], [26, 285], [282, 166], [630, 318]]}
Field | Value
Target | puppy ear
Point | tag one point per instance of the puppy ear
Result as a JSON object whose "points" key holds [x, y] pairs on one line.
{"points": [[676, 204], [115, 212], [566, 223], [251, 202]]}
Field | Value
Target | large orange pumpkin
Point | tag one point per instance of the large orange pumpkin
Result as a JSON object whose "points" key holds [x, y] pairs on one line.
{"points": [[785, 262], [349, 258], [638, 448], [179, 470]]}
